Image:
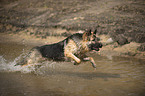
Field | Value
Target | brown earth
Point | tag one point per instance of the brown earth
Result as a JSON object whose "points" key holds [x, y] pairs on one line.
{"points": [[39, 21]]}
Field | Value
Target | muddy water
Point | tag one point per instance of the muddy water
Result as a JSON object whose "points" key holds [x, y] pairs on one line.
{"points": [[114, 76]]}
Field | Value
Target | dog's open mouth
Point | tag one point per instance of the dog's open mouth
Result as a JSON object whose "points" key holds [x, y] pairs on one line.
{"points": [[95, 46], [96, 49]]}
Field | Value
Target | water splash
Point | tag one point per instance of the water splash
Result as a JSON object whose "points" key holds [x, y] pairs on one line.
{"points": [[39, 68], [9, 66]]}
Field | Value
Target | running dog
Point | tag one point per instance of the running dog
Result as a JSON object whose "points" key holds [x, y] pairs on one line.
{"points": [[72, 48]]}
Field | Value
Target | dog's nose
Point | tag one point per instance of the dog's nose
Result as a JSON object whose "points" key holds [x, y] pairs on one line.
{"points": [[100, 45]]}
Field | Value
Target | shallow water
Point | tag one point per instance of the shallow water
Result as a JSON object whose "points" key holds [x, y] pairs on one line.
{"points": [[114, 76]]}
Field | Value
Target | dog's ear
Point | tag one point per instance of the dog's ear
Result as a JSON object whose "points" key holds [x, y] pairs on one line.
{"points": [[89, 32], [95, 31], [86, 34]]}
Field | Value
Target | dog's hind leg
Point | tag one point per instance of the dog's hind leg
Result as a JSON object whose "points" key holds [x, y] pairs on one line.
{"points": [[32, 58], [91, 60]]}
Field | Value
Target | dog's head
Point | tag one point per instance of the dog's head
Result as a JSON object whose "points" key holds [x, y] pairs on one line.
{"points": [[90, 36]]}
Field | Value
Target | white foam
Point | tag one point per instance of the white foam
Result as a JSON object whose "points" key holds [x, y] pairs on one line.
{"points": [[45, 67], [6, 66], [9, 66]]}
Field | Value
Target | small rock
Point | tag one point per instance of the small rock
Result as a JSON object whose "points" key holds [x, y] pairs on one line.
{"points": [[109, 41], [141, 47], [121, 40], [140, 38]]}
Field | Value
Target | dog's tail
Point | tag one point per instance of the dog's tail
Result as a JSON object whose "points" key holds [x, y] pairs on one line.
{"points": [[25, 59]]}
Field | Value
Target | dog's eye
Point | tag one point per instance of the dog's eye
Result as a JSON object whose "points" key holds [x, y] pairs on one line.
{"points": [[97, 39], [94, 35], [93, 40]]}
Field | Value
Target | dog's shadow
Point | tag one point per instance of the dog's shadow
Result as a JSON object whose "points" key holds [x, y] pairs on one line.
{"points": [[87, 75]]}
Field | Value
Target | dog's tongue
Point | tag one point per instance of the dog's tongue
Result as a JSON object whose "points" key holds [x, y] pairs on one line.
{"points": [[97, 49]]}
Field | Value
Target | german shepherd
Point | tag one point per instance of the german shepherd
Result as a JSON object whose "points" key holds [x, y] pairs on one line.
{"points": [[72, 48]]}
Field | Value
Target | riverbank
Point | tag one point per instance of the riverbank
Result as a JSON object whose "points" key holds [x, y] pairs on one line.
{"points": [[109, 50]]}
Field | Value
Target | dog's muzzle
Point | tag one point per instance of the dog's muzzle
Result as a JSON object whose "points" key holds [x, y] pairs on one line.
{"points": [[95, 46]]}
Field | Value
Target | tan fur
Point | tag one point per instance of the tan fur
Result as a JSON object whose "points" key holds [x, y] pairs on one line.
{"points": [[70, 49]]}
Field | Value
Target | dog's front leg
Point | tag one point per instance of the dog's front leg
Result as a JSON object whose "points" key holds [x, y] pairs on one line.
{"points": [[91, 60], [72, 56]]}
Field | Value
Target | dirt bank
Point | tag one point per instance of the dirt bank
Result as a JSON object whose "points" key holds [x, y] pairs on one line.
{"points": [[121, 20]]}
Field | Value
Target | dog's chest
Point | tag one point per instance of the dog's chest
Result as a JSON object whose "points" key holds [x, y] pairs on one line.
{"points": [[74, 48], [84, 47], [71, 47]]}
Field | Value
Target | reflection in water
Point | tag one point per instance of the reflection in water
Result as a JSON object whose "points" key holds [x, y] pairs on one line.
{"points": [[86, 75], [114, 76]]}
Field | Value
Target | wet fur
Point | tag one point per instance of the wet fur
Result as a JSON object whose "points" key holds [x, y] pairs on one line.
{"points": [[73, 47]]}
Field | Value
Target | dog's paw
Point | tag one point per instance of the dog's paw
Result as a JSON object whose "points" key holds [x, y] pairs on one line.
{"points": [[75, 63], [94, 65]]}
